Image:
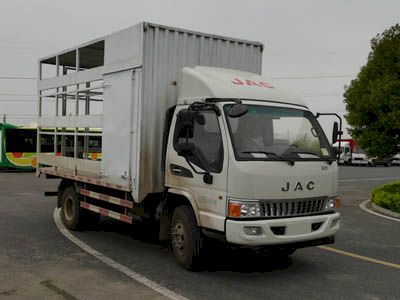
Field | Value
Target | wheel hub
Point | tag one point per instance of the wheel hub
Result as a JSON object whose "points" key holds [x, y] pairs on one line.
{"points": [[178, 238], [69, 209]]}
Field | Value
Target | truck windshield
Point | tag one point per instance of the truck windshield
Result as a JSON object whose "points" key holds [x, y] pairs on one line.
{"points": [[277, 133]]}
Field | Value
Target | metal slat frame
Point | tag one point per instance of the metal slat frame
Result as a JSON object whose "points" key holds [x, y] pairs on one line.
{"points": [[69, 86], [76, 106], [63, 93], [106, 198], [106, 212]]}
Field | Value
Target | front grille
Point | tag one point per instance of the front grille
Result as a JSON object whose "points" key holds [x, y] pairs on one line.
{"points": [[292, 207]]}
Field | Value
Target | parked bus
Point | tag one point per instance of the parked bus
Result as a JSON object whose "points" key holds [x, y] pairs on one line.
{"points": [[18, 146]]}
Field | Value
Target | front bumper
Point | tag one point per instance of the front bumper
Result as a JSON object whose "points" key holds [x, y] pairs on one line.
{"points": [[283, 231]]}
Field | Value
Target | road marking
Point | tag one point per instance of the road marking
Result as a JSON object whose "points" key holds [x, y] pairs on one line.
{"points": [[369, 179], [112, 263], [363, 206], [361, 257]]}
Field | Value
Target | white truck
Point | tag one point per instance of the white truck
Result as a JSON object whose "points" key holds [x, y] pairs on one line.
{"points": [[345, 153], [192, 138], [350, 155]]}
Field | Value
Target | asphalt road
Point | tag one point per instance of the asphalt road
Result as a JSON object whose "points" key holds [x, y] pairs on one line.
{"points": [[37, 261]]}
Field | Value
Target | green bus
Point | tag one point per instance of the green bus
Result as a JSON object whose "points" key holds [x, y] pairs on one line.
{"points": [[18, 147]]}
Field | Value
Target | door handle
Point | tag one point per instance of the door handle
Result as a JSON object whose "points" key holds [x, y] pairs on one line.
{"points": [[176, 170], [180, 171]]}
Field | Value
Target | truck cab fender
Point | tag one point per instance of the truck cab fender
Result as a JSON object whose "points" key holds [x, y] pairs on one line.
{"points": [[173, 198], [190, 200]]}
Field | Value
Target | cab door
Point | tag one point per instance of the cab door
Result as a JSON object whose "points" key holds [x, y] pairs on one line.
{"points": [[184, 173]]}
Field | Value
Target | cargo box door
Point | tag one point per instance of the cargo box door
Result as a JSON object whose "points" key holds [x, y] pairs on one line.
{"points": [[118, 127]]}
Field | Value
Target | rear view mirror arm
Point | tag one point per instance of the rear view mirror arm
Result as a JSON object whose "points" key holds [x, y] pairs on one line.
{"points": [[201, 106], [340, 132]]}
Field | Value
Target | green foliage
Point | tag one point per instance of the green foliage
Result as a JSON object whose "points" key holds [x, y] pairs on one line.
{"points": [[305, 143], [387, 196], [373, 98]]}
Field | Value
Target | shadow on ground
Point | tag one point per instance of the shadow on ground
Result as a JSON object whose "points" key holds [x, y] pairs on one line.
{"points": [[218, 256]]}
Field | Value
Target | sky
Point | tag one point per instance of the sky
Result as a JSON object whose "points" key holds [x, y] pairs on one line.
{"points": [[313, 48]]}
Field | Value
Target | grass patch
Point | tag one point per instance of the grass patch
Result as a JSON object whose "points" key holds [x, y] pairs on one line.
{"points": [[387, 196]]}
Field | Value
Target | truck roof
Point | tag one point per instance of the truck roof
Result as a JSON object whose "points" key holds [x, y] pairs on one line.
{"points": [[92, 51], [200, 83]]}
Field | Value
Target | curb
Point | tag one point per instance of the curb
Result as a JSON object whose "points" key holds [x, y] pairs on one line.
{"points": [[385, 211], [363, 206]]}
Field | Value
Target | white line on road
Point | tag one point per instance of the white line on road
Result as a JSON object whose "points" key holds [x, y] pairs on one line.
{"points": [[363, 206], [112, 263], [369, 179]]}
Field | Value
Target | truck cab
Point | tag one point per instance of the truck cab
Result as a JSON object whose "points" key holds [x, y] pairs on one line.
{"points": [[345, 155], [254, 162]]}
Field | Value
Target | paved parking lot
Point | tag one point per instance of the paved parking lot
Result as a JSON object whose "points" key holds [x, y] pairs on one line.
{"points": [[37, 261]]}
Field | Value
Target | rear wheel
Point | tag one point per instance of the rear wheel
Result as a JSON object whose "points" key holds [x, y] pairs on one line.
{"points": [[185, 238], [70, 208]]}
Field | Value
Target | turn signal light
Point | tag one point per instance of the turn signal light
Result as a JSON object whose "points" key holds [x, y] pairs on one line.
{"points": [[337, 202], [234, 210]]}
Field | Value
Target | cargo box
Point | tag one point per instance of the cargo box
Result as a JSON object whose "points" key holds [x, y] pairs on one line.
{"points": [[119, 87]]}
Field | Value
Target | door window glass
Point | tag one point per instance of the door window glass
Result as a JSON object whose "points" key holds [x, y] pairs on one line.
{"points": [[206, 137]]}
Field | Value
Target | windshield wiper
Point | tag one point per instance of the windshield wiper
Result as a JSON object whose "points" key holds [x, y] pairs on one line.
{"points": [[289, 161], [328, 160]]}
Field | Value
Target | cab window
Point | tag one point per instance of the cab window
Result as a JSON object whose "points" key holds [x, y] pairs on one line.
{"points": [[206, 137]]}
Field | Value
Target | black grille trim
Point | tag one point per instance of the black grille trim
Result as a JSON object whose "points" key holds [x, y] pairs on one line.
{"points": [[284, 208]]}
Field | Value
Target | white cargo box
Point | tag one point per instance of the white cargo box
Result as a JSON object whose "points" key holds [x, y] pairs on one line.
{"points": [[131, 77]]}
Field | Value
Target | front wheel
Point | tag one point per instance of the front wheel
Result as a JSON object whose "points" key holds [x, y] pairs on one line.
{"points": [[185, 238]]}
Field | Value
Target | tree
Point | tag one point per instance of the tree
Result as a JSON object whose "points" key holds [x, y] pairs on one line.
{"points": [[373, 98]]}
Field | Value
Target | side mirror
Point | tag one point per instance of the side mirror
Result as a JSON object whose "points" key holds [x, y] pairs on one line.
{"points": [[185, 118], [335, 132], [237, 110], [337, 152], [184, 148], [200, 119]]}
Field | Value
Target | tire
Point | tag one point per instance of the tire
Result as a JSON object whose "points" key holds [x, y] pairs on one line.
{"points": [[185, 238], [283, 252], [70, 208], [288, 252]]}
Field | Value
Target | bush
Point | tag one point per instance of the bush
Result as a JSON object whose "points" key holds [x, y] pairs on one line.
{"points": [[387, 196]]}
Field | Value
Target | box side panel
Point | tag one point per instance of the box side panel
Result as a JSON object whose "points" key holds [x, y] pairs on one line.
{"points": [[124, 46], [122, 61], [116, 127], [166, 52]]}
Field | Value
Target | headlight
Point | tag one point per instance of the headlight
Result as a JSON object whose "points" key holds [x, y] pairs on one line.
{"points": [[332, 202], [243, 209]]}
